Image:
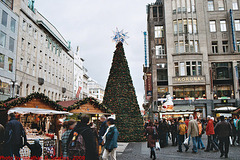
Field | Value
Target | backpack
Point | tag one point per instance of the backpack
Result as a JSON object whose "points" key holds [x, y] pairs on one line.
{"points": [[182, 129], [76, 147]]}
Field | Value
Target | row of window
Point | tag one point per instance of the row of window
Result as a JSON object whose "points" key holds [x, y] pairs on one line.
{"points": [[221, 5], [225, 46], [187, 46], [9, 63], [9, 3], [4, 21], [3, 40], [187, 26], [183, 6], [189, 68], [223, 25]]}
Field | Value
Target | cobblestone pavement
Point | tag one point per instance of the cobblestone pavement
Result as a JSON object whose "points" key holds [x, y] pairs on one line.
{"points": [[139, 151]]}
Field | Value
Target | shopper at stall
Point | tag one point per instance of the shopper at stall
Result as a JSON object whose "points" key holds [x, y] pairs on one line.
{"points": [[15, 137], [110, 141], [69, 127], [85, 131], [223, 130], [36, 150]]}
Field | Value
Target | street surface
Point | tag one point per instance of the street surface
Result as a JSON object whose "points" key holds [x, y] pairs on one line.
{"points": [[139, 151]]}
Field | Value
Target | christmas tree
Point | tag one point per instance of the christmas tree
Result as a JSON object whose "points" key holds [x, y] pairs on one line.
{"points": [[121, 98]]}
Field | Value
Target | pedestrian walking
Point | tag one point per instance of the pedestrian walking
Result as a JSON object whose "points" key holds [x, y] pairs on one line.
{"points": [[101, 132], [193, 132], [201, 131], [151, 134], [186, 122], [223, 130], [15, 137], [182, 128], [233, 133], [69, 127], [110, 141], [210, 133], [82, 140], [174, 132]]}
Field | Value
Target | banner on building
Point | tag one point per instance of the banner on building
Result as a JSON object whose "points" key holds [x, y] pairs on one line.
{"points": [[149, 85], [78, 92]]}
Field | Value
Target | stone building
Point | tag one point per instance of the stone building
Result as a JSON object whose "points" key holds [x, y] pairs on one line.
{"points": [[8, 47], [44, 62], [96, 90], [194, 53]]}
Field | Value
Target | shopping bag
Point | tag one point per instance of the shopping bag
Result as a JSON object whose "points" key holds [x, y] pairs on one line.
{"points": [[186, 142], [230, 139], [157, 146]]}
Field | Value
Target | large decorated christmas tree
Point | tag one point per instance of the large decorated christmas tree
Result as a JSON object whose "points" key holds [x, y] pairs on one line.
{"points": [[121, 98]]}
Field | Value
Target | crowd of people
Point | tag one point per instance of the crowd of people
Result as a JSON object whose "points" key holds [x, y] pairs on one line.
{"points": [[80, 140], [221, 132]]}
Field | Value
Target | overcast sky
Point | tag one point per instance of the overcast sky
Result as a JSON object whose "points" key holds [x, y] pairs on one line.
{"points": [[89, 24]]}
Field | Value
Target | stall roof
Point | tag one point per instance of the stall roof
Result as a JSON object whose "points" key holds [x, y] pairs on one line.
{"points": [[67, 103], [21, 110]]}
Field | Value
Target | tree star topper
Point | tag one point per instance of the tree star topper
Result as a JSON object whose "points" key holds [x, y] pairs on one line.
{"points": [[120, 36]]}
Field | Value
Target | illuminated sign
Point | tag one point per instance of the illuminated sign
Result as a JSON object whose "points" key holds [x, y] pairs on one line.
{"points": [[188, 79]]}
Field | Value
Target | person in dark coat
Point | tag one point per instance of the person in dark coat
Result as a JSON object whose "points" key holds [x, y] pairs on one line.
{"points": [[174, 128], [223, 130], [151, 133], [162, 133], [1, 139], [36, 150], [15, 137], [102, 129], [234, 132], [88, 136]]}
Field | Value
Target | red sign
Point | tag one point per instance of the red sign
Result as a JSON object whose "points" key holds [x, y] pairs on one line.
{"points": [[149, 85], [78, 92]]}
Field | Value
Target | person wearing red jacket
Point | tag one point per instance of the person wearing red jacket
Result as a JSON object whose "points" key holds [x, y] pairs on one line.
{"points": [[186, 122], [210, 132]]}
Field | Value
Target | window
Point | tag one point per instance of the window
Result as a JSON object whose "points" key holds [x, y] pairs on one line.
{"points": [[225, 46], [186, 46], [190, 26], [162, 74], [238, 46], [237, 25], [2, 60], [11, 44], [191, 46], [188, 6], [182, 69], [160, 51], [223, 25], [10, 64], [179, 6], [159, 32], [194, 68], [188, 68], [185, 26], [196, 46], [199, 69], [195, 30], [184, 6], [210, 5], [212, 26], [175, 27], [180, 26], [2, 39], [160, 11], [13, 24], [176, 47], [214, 47], [4, 18], [221, 5], [181, 47], [154, 11], [9, 3], [193, 6], [174, 6], [235, 4], [176, 69]]}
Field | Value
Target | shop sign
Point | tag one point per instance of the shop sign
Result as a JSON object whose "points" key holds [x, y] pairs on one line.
{"points": [[149, 84], [188, 79]]}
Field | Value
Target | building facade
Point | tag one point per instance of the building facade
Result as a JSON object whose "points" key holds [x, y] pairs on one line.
{"points": [[96, 90], [80, 77], [44, 62], [8, 47], [194, 52]]}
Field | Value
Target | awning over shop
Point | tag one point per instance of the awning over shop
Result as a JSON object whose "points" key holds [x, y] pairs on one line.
{"points": [[225, 109], [173, 113], [184, 108], [21, 110]]}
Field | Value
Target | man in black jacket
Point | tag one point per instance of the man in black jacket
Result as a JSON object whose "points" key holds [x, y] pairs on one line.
{"points": [[36, 150], [15, 137], [88, 136], [223, 130]]}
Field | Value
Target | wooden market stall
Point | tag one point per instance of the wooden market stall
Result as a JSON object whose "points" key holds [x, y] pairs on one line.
{"points": [[40, 119]]}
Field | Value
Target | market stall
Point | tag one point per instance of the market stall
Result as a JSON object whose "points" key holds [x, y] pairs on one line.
{"points": [[40, 118]]}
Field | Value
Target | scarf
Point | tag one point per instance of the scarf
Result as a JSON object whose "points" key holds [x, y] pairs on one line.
{"points": [[104, 137]]}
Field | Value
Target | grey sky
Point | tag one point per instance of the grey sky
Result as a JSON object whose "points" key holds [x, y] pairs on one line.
{"points": [[89, 24]]}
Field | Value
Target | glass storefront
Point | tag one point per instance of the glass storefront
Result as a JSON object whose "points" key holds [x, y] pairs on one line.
{"points": [[162, 91], [224, 91], [189, 92]]}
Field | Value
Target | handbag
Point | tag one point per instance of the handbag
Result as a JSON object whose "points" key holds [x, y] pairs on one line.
{"points": [[186, 142], [157, 146]]}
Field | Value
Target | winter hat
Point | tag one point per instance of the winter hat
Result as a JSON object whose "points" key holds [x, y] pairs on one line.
{"points": [[209, 117], [212, 118], [191, 117]]}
